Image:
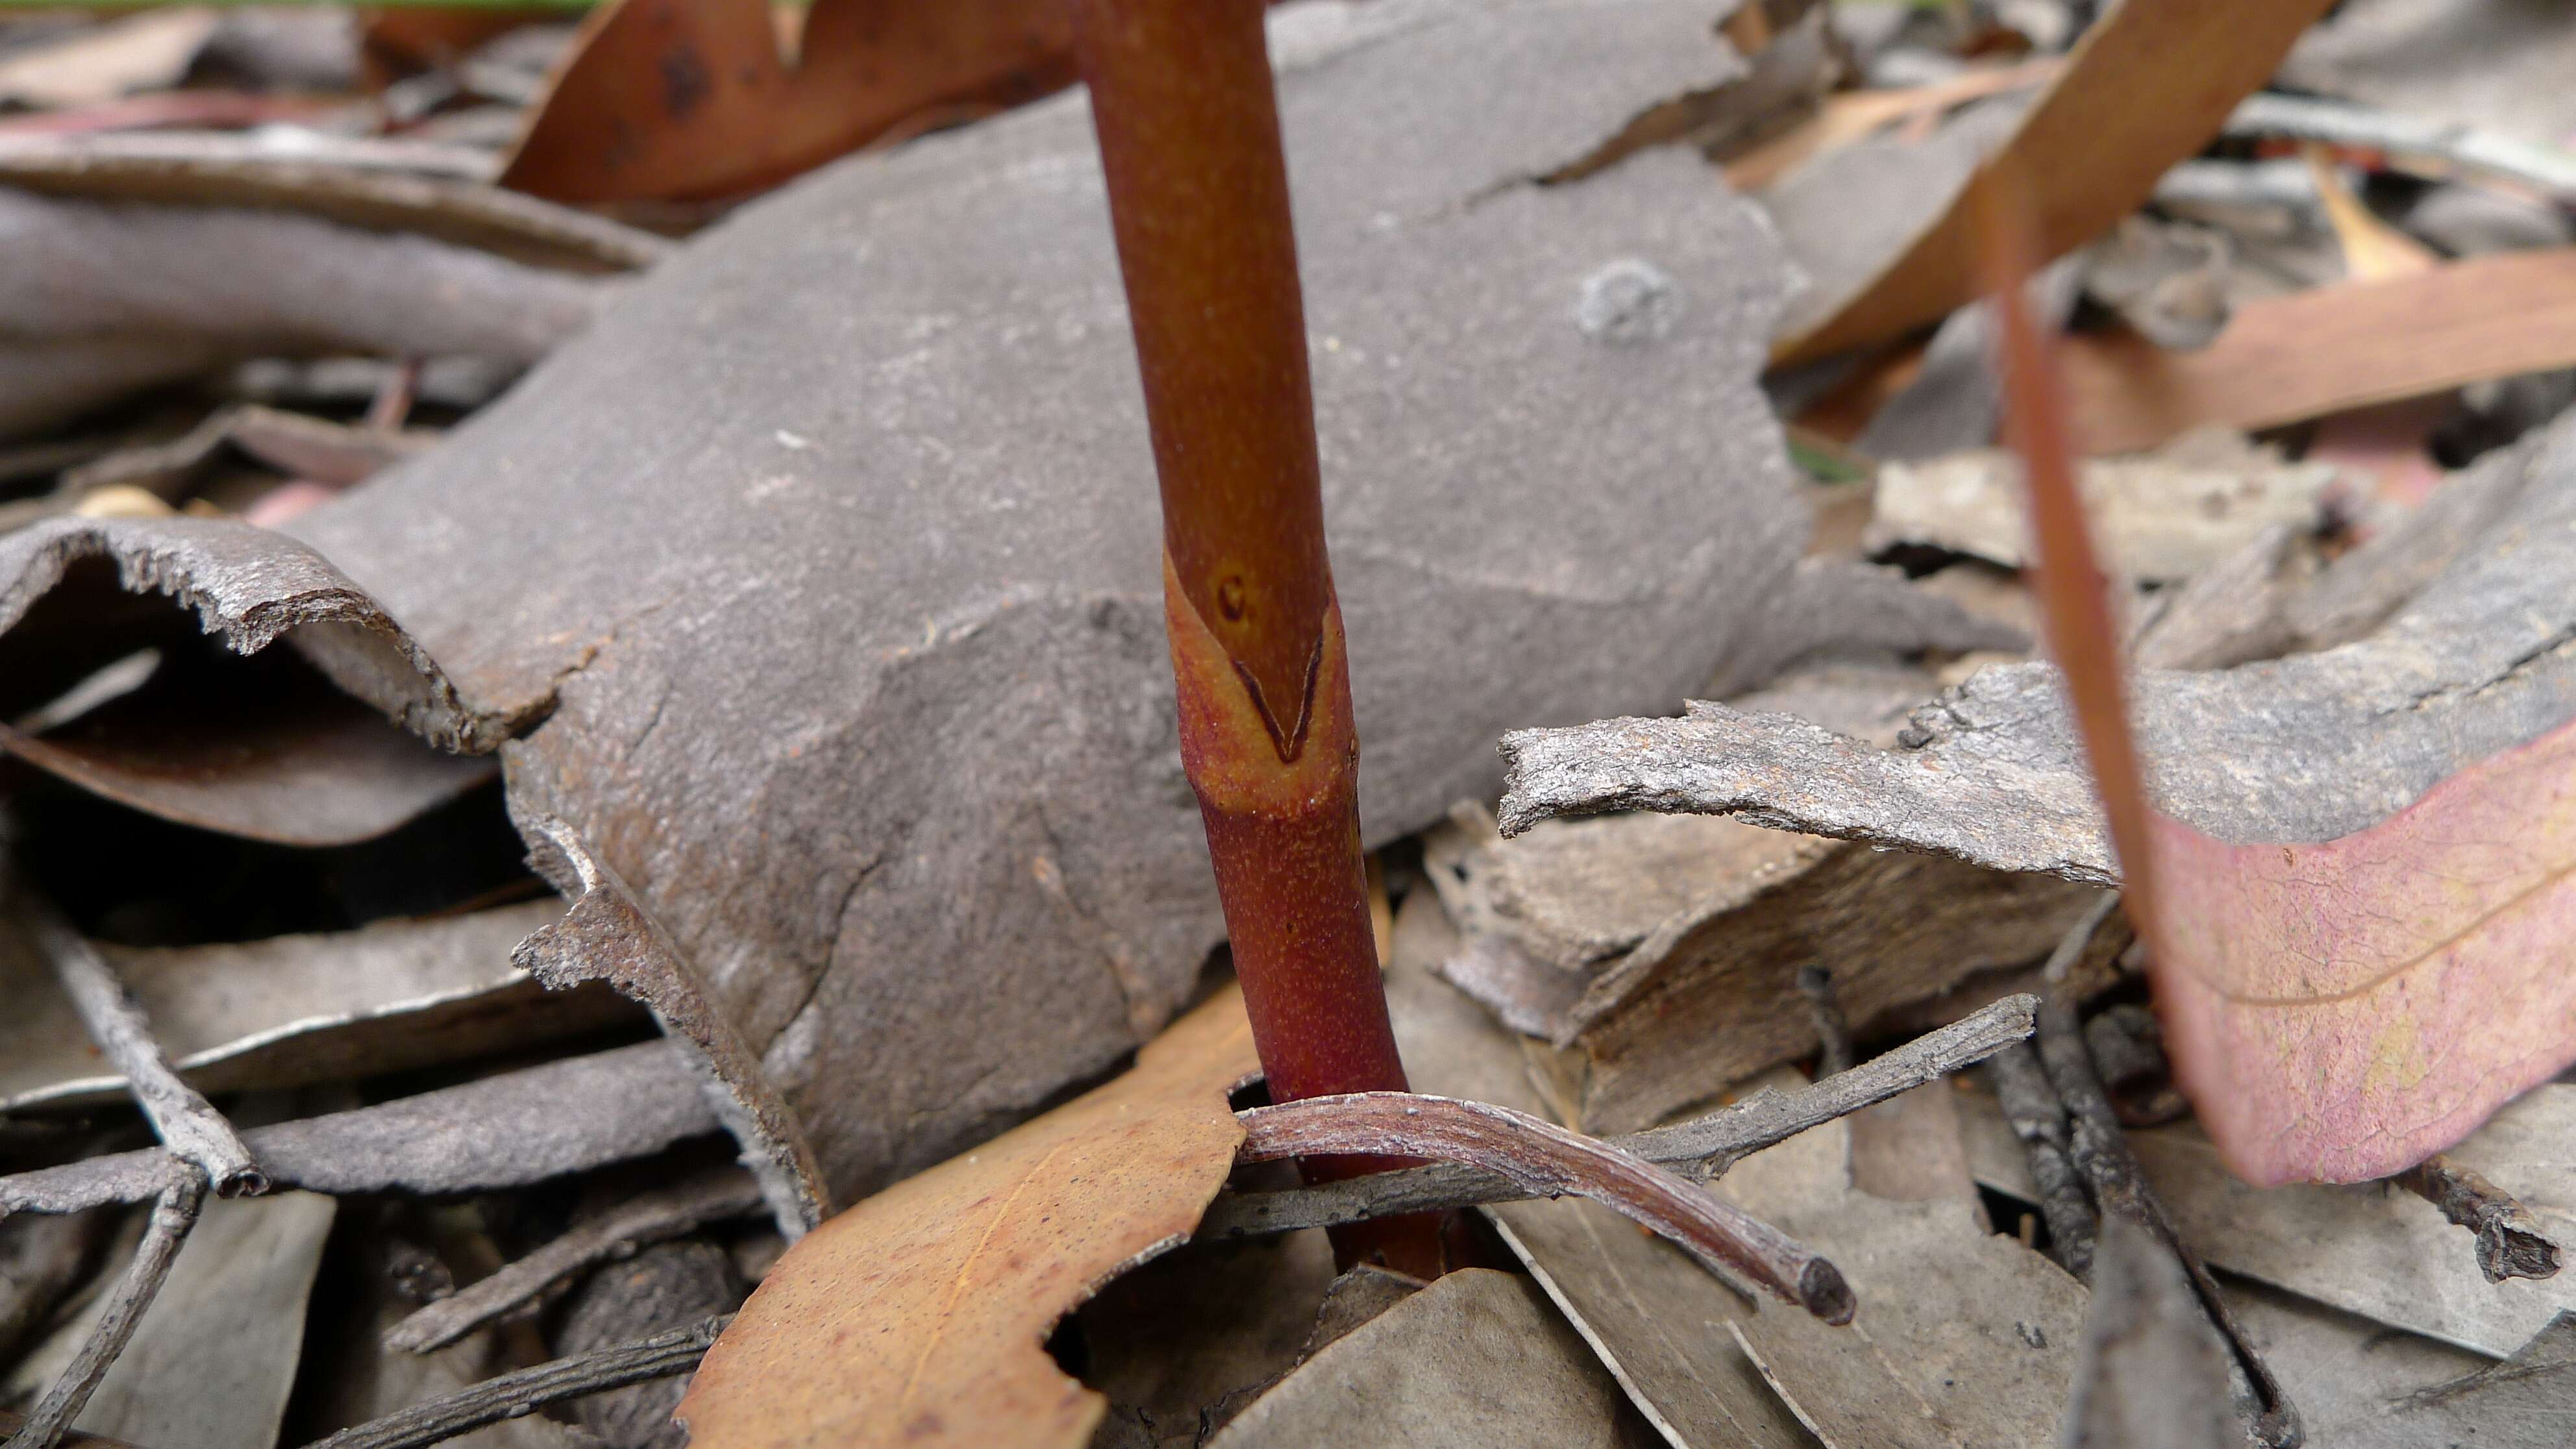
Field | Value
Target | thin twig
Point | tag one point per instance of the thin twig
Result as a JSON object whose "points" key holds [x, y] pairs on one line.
{"points": [[1545, 1159], [2038, 1118], [514, 1395], [1833, 1034], [650, 1218], [510, 1130], [186, 1122], [1699, 1149], [172, 1217], [2511, 1243], [2101, 1150]]}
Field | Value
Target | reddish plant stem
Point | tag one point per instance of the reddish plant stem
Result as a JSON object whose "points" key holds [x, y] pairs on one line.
{"points": [[1188, 123], [2074, 593]]}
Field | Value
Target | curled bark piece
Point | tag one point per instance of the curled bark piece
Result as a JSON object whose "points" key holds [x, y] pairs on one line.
{"points": [[249, 588], [1698, 1149], [229, 284], [180, 1115], [2511, 1243], [1546, 1160], [2458, 662], [515, 1394], [631, 1224], [172, 1217], [607, 936], [505, 1131]]}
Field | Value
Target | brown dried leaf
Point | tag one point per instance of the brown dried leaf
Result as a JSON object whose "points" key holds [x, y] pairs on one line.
{"points": [[672, 100], [2147, 86], [920, 1316], [2290, 358]]}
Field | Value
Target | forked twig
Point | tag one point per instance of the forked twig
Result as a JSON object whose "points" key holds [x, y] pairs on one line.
{"points": [[515, 1395], [172, 1216], [1699, 1149], [1545, 1159], [180, 1115]]}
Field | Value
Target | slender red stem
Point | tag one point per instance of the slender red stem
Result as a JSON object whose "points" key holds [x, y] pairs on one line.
{"points": [[1188, 122], [2074, 593]]}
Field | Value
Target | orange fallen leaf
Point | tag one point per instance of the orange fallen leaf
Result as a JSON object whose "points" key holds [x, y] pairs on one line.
{"points": [[2287, 359], [2147, 86], [920, 1316], [690, 100]]}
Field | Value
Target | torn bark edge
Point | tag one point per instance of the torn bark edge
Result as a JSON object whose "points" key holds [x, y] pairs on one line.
{"points": [[250, 587], [1544, 1159], [180, 1115], [651, 1218], [2510, 1242], [1699, 1149], [608, 936], [2119, 1186], [172, 1216], [516, 1395]]}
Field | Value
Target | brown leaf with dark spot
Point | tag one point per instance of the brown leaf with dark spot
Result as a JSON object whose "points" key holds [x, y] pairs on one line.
{"points": [[920, 1316], [677, 100]]}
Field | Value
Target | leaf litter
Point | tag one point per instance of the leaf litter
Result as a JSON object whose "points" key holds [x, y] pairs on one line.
{"points": [[871, 946]]}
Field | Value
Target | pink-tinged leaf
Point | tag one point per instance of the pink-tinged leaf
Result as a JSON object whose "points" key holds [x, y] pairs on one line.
{"points": [[2339, 1011], [2335, 1011]]}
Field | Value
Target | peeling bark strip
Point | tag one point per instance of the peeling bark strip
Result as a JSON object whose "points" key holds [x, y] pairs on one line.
{"points": [[1188, 120], [505, 1131], [515, 1395], [1699, 1150], [650, 1218], [1547, 1161], [172, 1217], [180, 1115], [607, 936]]}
